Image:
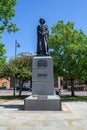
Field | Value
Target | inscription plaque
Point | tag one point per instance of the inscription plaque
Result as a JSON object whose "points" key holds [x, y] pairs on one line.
{"points": [[42, 97], [41, 74], [42, 63]]}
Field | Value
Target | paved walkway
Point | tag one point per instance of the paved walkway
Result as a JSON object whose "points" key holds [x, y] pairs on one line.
{"points": [[72, 117], [13, 117]]}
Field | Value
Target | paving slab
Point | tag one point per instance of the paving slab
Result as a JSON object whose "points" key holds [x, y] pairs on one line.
{"points": [[13, 117]]}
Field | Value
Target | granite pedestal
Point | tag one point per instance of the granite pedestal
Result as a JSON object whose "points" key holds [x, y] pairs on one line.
{"points": [[43, 97], [42, 76], [41, 102]]}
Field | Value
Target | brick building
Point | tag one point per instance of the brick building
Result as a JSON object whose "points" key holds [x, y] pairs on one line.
{"points": [[5, 83]]}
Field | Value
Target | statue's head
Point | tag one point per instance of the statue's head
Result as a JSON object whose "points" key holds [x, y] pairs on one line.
{"points": [[42, 21]]}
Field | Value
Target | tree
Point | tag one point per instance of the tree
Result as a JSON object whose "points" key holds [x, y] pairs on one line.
{"points": [[19, 68], [2, 52], [69, 52], [7, 12]]}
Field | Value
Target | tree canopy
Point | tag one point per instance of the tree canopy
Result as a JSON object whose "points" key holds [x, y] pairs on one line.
{"points": [[69, 51], [7, 12], [2, 56], [19, 68]]}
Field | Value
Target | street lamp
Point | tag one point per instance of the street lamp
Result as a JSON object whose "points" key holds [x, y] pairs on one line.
{"points": [[17, 45]]}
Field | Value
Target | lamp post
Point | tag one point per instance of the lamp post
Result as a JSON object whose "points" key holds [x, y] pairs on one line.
{"points": [[17, 45]]}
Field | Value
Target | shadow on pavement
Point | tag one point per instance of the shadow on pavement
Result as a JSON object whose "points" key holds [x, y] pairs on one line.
{"points": [[19, 107]]}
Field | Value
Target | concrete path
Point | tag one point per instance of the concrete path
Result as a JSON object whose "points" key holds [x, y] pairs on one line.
{"points": [[72, 117]]}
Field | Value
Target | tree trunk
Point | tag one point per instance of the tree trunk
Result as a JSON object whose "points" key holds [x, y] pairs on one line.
{"points": [[72, 88], [30, 81], [20, 91]]}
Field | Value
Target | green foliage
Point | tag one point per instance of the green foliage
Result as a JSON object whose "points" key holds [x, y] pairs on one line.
{"points": [[69, 51], [7, 12], [2, 56], [19, 68]]}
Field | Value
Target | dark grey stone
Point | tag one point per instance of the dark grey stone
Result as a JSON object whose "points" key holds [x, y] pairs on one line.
{"points": [[43, 88], [42, 76], [48, 103]]}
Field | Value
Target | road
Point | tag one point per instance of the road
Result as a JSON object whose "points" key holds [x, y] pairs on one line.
{"points": [[10, 92], [63, 92]]}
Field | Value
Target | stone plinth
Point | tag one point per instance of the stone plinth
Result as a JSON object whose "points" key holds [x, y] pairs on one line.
{"points": [[41, 102], [43, 97], [42, 76]]}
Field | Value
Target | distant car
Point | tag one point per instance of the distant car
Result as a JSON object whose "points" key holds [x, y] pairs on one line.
{"points": [[18, 87], [25, 87]]}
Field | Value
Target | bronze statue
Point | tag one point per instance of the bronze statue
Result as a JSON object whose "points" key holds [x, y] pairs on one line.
{"points": [[42, 38]]}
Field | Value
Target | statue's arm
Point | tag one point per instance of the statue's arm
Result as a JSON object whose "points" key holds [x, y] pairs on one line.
{"points": [[46, 31], [38, 30], [42, 33]]}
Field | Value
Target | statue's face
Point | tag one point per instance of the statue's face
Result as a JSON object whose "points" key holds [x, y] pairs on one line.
{"points": [[42, 21]]}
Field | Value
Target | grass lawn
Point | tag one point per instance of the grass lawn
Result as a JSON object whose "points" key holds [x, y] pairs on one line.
{"points": [[11, 97], [63, 98], [74, 98]]}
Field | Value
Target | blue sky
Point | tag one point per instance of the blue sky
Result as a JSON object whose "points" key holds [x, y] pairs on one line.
{"points": [[28, 13]]}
